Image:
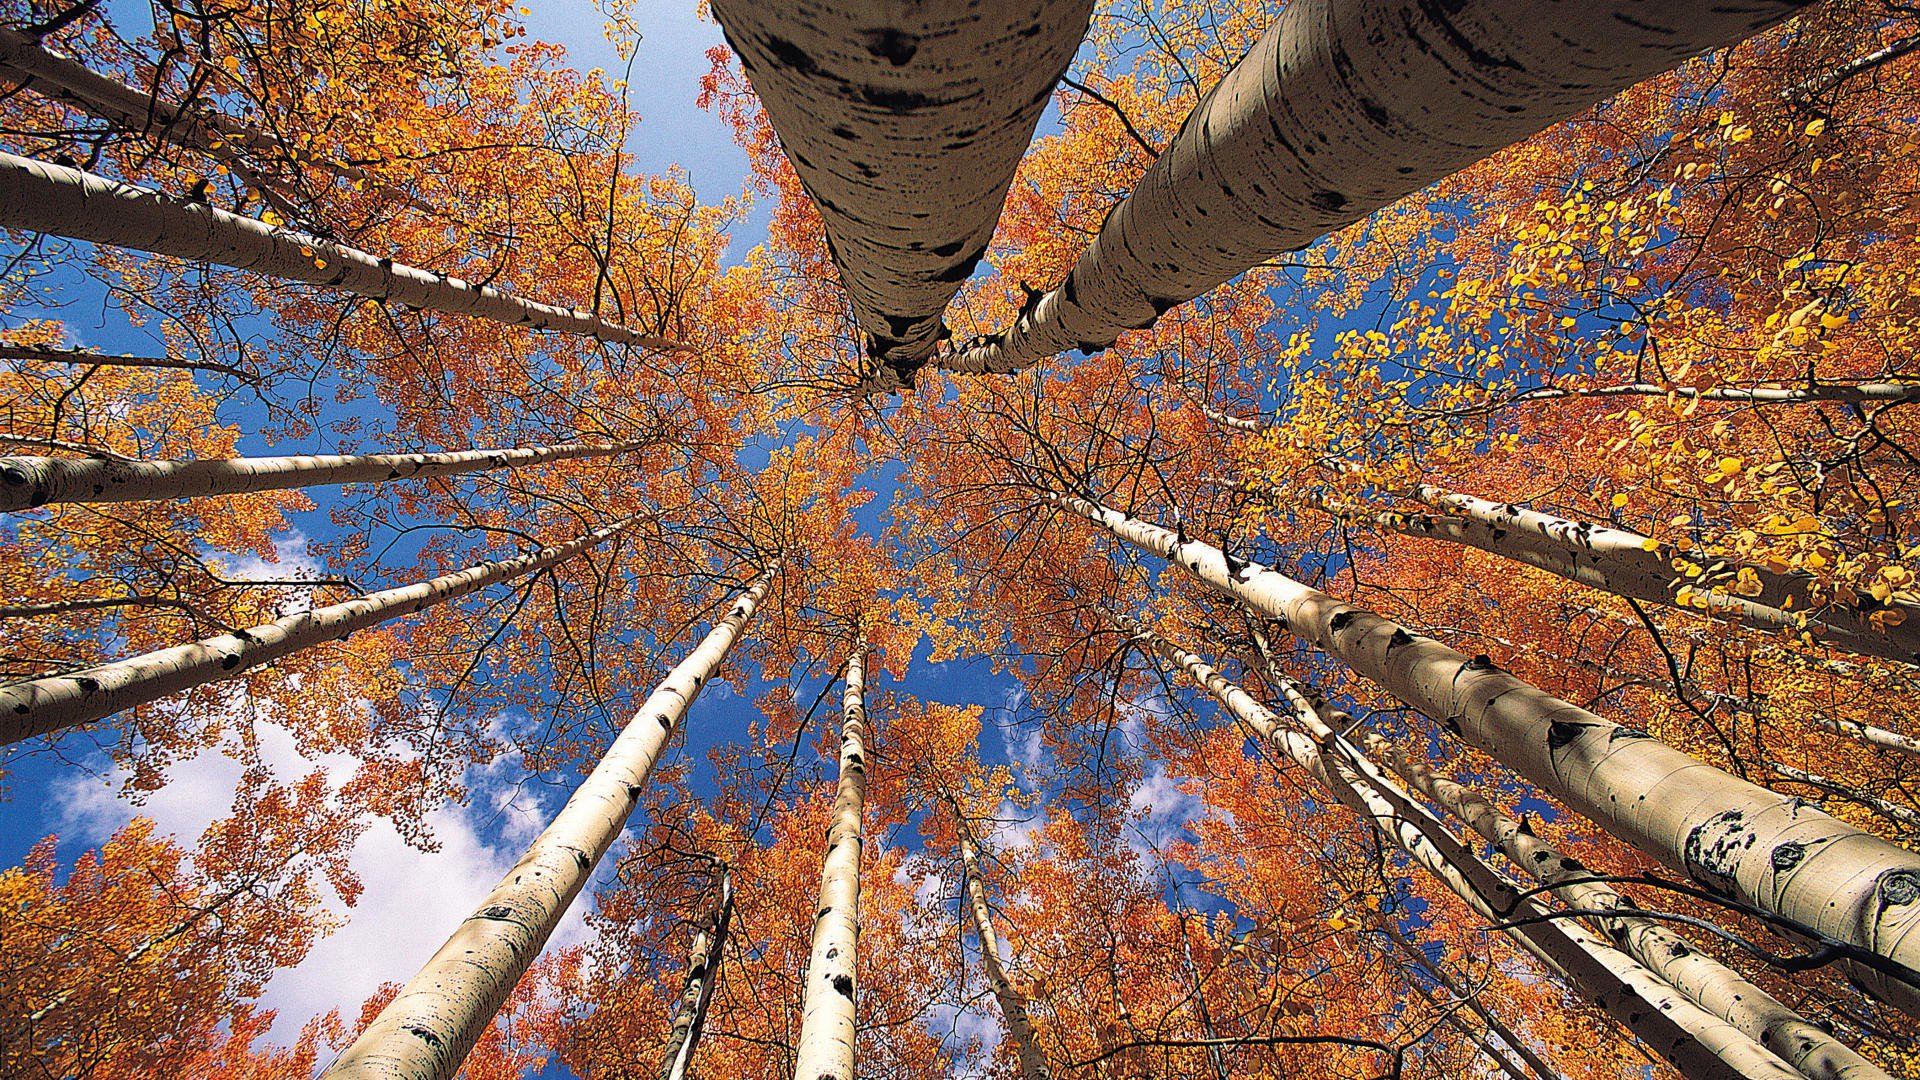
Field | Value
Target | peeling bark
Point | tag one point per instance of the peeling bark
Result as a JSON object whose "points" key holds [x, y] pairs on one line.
{"points": [[905, 121], [426, 1032], [35, 707], [703, 974], [825, 1050], [1341, 108], [1771, 851], [36, 196], [27, 482], [979, 916]]}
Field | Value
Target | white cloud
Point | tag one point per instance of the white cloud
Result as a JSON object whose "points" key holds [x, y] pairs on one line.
{"points": [[1168, 809]]}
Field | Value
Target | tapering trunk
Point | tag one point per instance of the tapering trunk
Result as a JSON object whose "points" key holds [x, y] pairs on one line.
{"points": [[89, 358], [41, 706], [72, 83], [426, 1032], [1341, 108], [825, 1051], [703, 974], [1705, 981], [1698, 1044], [1768, 850], [905, 121], [27, 482], [979, 916], [36, 196], [1867, 733]]}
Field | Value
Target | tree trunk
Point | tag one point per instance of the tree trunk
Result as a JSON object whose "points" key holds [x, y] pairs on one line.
{"points": [[703, 974], [979, 915], [1705, 981], [1509, 1041], [41, 706], [89, 358], [827, 1015], [27, 482], [1341, 108], [905, 121], [1873, 736], [36, 196], [1697, 1044], [1765, 849], [426, 1031]]}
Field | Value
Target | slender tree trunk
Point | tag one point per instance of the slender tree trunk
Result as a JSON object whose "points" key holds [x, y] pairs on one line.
{"points": [[36, 196], [426, 1032], [1509, 1041], [1342, 107], [827, 1014], [979, 915], [703, 974], [27, 482], [1905, 815], [41, 706], [89, 358], [906, 123], [1768, 850], [1873, 736], [1705, 981], [1698, 1044]]}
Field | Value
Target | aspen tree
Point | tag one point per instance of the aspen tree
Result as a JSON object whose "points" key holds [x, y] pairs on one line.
{"points": [[978, 915], [92, 359], [427, 1030], [1867, 733], [906, 123], [1705, 981], [1341, 108], [1697, 1043], [42, 706], [703, 975], [27, 482], [825, 1050], [40, 197], [1767, 850]]}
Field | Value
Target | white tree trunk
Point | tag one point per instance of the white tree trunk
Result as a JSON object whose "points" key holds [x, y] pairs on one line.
{"points": [[1705, 981], [1766, 849], [704, 955], [27, 482], [905, 121], [1341, 108], [426, 1032], [34, 707], [979, 916], [36, 196], [825, 1050], [1867, 733], [1698, 1044]]}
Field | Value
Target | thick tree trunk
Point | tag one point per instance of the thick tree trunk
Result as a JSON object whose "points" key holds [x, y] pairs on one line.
{"points": [[1768, 850], [1342, 107], [426, 1031], [703, 974], [36, 196], [1705, 981], [41, 706], [979, 916], [27, 482], [827, 1013], [905, 121], [1698, 1044]]}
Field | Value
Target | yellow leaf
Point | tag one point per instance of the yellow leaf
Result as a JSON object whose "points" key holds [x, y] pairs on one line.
{"points": [[1817, 126], [1730, 465], [1620, 500]]}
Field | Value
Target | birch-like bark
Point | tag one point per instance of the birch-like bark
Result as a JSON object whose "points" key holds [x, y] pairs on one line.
{"points": [[905, 121], [426, 1032], [1867, 733], [1768, 850], [36, 196], [89, 358], [1341, 108], [979, 916], [42, 706], [825, 1050], [703, 974], [27, 482], [1705, 981], [1698, 1044], [72, 83]]}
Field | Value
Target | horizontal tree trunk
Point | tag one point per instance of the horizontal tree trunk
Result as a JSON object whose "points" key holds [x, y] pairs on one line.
{"points": [[426, 1032], [1341, 108], [43, 706], [27, 482], [40, 197], [89, 358], [703, 975], [1768, 850]]}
